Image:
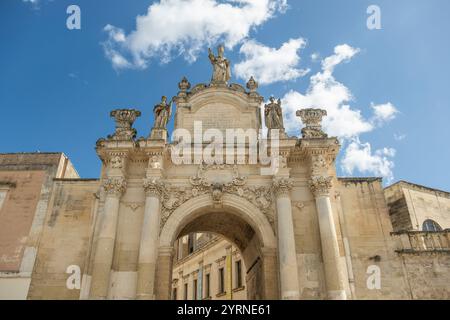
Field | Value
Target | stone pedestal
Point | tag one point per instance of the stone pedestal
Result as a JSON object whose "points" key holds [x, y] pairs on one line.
{"points": [[286, 241], [158, 134]]}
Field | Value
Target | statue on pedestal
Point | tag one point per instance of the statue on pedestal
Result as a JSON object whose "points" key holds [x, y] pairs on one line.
{"points": [[221, 66], [273, 117], [162, 112]]}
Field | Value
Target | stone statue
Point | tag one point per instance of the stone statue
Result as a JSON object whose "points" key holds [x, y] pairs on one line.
{"points": [[162, 113], [221, 66], [273, 114]]}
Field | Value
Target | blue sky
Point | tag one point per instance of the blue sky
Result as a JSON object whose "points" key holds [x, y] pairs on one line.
{"points": [[57, 86]]}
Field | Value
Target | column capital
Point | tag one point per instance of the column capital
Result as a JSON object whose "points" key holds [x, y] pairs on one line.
{"points": [[153, 187], [165, 251], [320, 185], [115, 186], [282, 186]]}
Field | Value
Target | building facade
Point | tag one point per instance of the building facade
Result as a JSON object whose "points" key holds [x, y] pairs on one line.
{"points": [[418, 208], [300, 231], [26, 182], [207, 267]]}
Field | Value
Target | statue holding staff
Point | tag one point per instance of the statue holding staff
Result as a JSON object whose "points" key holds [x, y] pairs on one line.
{"points": [[221, 66]]}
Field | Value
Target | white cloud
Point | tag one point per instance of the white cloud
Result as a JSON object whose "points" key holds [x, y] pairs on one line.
{"points": [[342, 53], [179, 27], [327, 93], [359, 156], [399, 137], [269, 65], [384, 112], [343, 121], [315, 57]]}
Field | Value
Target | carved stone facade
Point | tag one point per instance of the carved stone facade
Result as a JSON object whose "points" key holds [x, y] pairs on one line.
{"points": [[301, 231], [115, 186]]}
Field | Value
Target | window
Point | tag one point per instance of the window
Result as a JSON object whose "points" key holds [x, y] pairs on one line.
{"points": [[191, 243], [207, 286], [238, 273], [430, 225], [185, 296], [221, 281], [194, 290], [174, 294]]}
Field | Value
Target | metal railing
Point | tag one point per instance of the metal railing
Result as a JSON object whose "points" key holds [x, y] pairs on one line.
{"points": [[422, 241]]}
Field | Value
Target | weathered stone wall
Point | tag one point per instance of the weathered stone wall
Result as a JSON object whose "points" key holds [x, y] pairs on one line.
{"points": [[17, 214], [427, 275], [26, 181], [366, 228], [398, 208], [307, 238], [65, 238]]}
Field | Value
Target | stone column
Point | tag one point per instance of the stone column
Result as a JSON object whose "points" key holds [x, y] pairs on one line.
{"points": [[286, 241], [114, 187], [163, 273], [334, 274], [148, 250]]}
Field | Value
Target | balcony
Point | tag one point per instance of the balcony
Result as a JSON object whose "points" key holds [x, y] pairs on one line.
{"points": [[422, 241]]}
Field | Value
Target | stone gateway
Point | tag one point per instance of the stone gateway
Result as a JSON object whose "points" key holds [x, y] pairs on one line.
{"points": [[301, 231]]}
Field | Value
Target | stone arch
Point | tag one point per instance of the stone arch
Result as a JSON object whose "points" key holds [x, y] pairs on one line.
{"points": [[258, 246]]}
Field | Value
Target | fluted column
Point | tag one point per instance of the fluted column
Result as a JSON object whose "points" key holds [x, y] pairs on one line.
{"points": [[114, 188], [148, 251], [334, 274], [286, 241]]}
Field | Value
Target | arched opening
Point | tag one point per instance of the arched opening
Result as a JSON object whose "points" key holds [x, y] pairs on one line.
{"points": [[431, 225], [243, 226]]}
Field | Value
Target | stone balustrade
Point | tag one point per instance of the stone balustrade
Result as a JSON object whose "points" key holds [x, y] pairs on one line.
{"points": [[422, 241]]}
